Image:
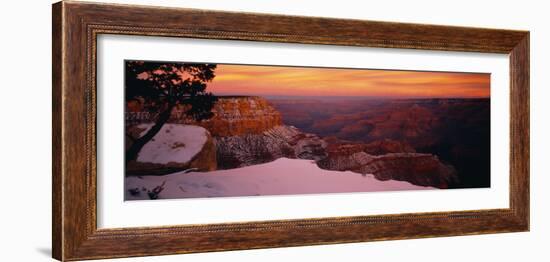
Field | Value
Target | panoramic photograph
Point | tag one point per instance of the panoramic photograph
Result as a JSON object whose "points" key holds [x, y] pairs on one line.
{"points": [[201, 130]]}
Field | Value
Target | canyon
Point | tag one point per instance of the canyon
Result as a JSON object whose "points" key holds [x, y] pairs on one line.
{"points": [[456, 130], [337, 136]]}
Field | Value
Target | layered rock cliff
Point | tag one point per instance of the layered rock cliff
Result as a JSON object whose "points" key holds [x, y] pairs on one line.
{"points": [[274, 143], [234, 116], [416, 168]]}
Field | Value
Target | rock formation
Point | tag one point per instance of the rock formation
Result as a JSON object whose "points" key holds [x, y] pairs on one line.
{"points": [[416, 168], [174, 148], [378, 147], [234, 116], [274, 143]]}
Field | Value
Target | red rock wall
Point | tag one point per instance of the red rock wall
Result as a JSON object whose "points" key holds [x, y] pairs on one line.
{"points": [[232, 116], [241, 115]]}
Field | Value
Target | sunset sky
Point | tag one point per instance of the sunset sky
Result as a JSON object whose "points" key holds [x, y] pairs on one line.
{"points": [[302, 81]]}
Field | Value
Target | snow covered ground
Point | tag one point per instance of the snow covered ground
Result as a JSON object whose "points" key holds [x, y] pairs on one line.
{"points": [[173, 143], [281, 177]]}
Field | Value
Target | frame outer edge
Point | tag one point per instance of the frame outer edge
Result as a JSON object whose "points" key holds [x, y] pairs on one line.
{"points": [[520, 130], [71, 239], [57, 122]]}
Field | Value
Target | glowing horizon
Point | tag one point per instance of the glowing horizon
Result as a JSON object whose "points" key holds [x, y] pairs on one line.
{"points": [[308, 81]]}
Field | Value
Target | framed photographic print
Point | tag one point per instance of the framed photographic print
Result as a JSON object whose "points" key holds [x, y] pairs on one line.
{"points": [[193, 131]]}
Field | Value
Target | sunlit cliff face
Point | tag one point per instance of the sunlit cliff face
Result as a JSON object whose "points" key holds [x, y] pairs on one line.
{"points": [[301, 81]]}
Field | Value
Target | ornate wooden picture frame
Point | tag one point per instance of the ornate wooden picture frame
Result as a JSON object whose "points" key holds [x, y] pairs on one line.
{"points": [[76, 26]]}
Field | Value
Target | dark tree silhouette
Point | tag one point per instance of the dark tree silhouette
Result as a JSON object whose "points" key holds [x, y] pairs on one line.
{"points": [[163, 86]]}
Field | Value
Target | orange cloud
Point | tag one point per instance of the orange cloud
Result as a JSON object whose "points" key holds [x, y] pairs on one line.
{"points": [[303, 81]]}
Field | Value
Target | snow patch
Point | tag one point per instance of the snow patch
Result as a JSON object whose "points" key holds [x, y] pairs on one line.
{"points": [[173, 143], [281, 177]]}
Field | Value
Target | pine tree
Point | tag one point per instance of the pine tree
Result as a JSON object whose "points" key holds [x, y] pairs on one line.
{"points": [[162, 86]]}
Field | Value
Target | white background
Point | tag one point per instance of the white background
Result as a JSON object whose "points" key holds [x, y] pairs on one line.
{"points": [[25, 147]]}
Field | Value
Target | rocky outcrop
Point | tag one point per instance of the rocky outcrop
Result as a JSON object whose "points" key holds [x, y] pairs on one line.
{"points": [[384, 159], [416, 168], [235, 116], [277, 142], [243, 131], [378, 147], [175, 148]]}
